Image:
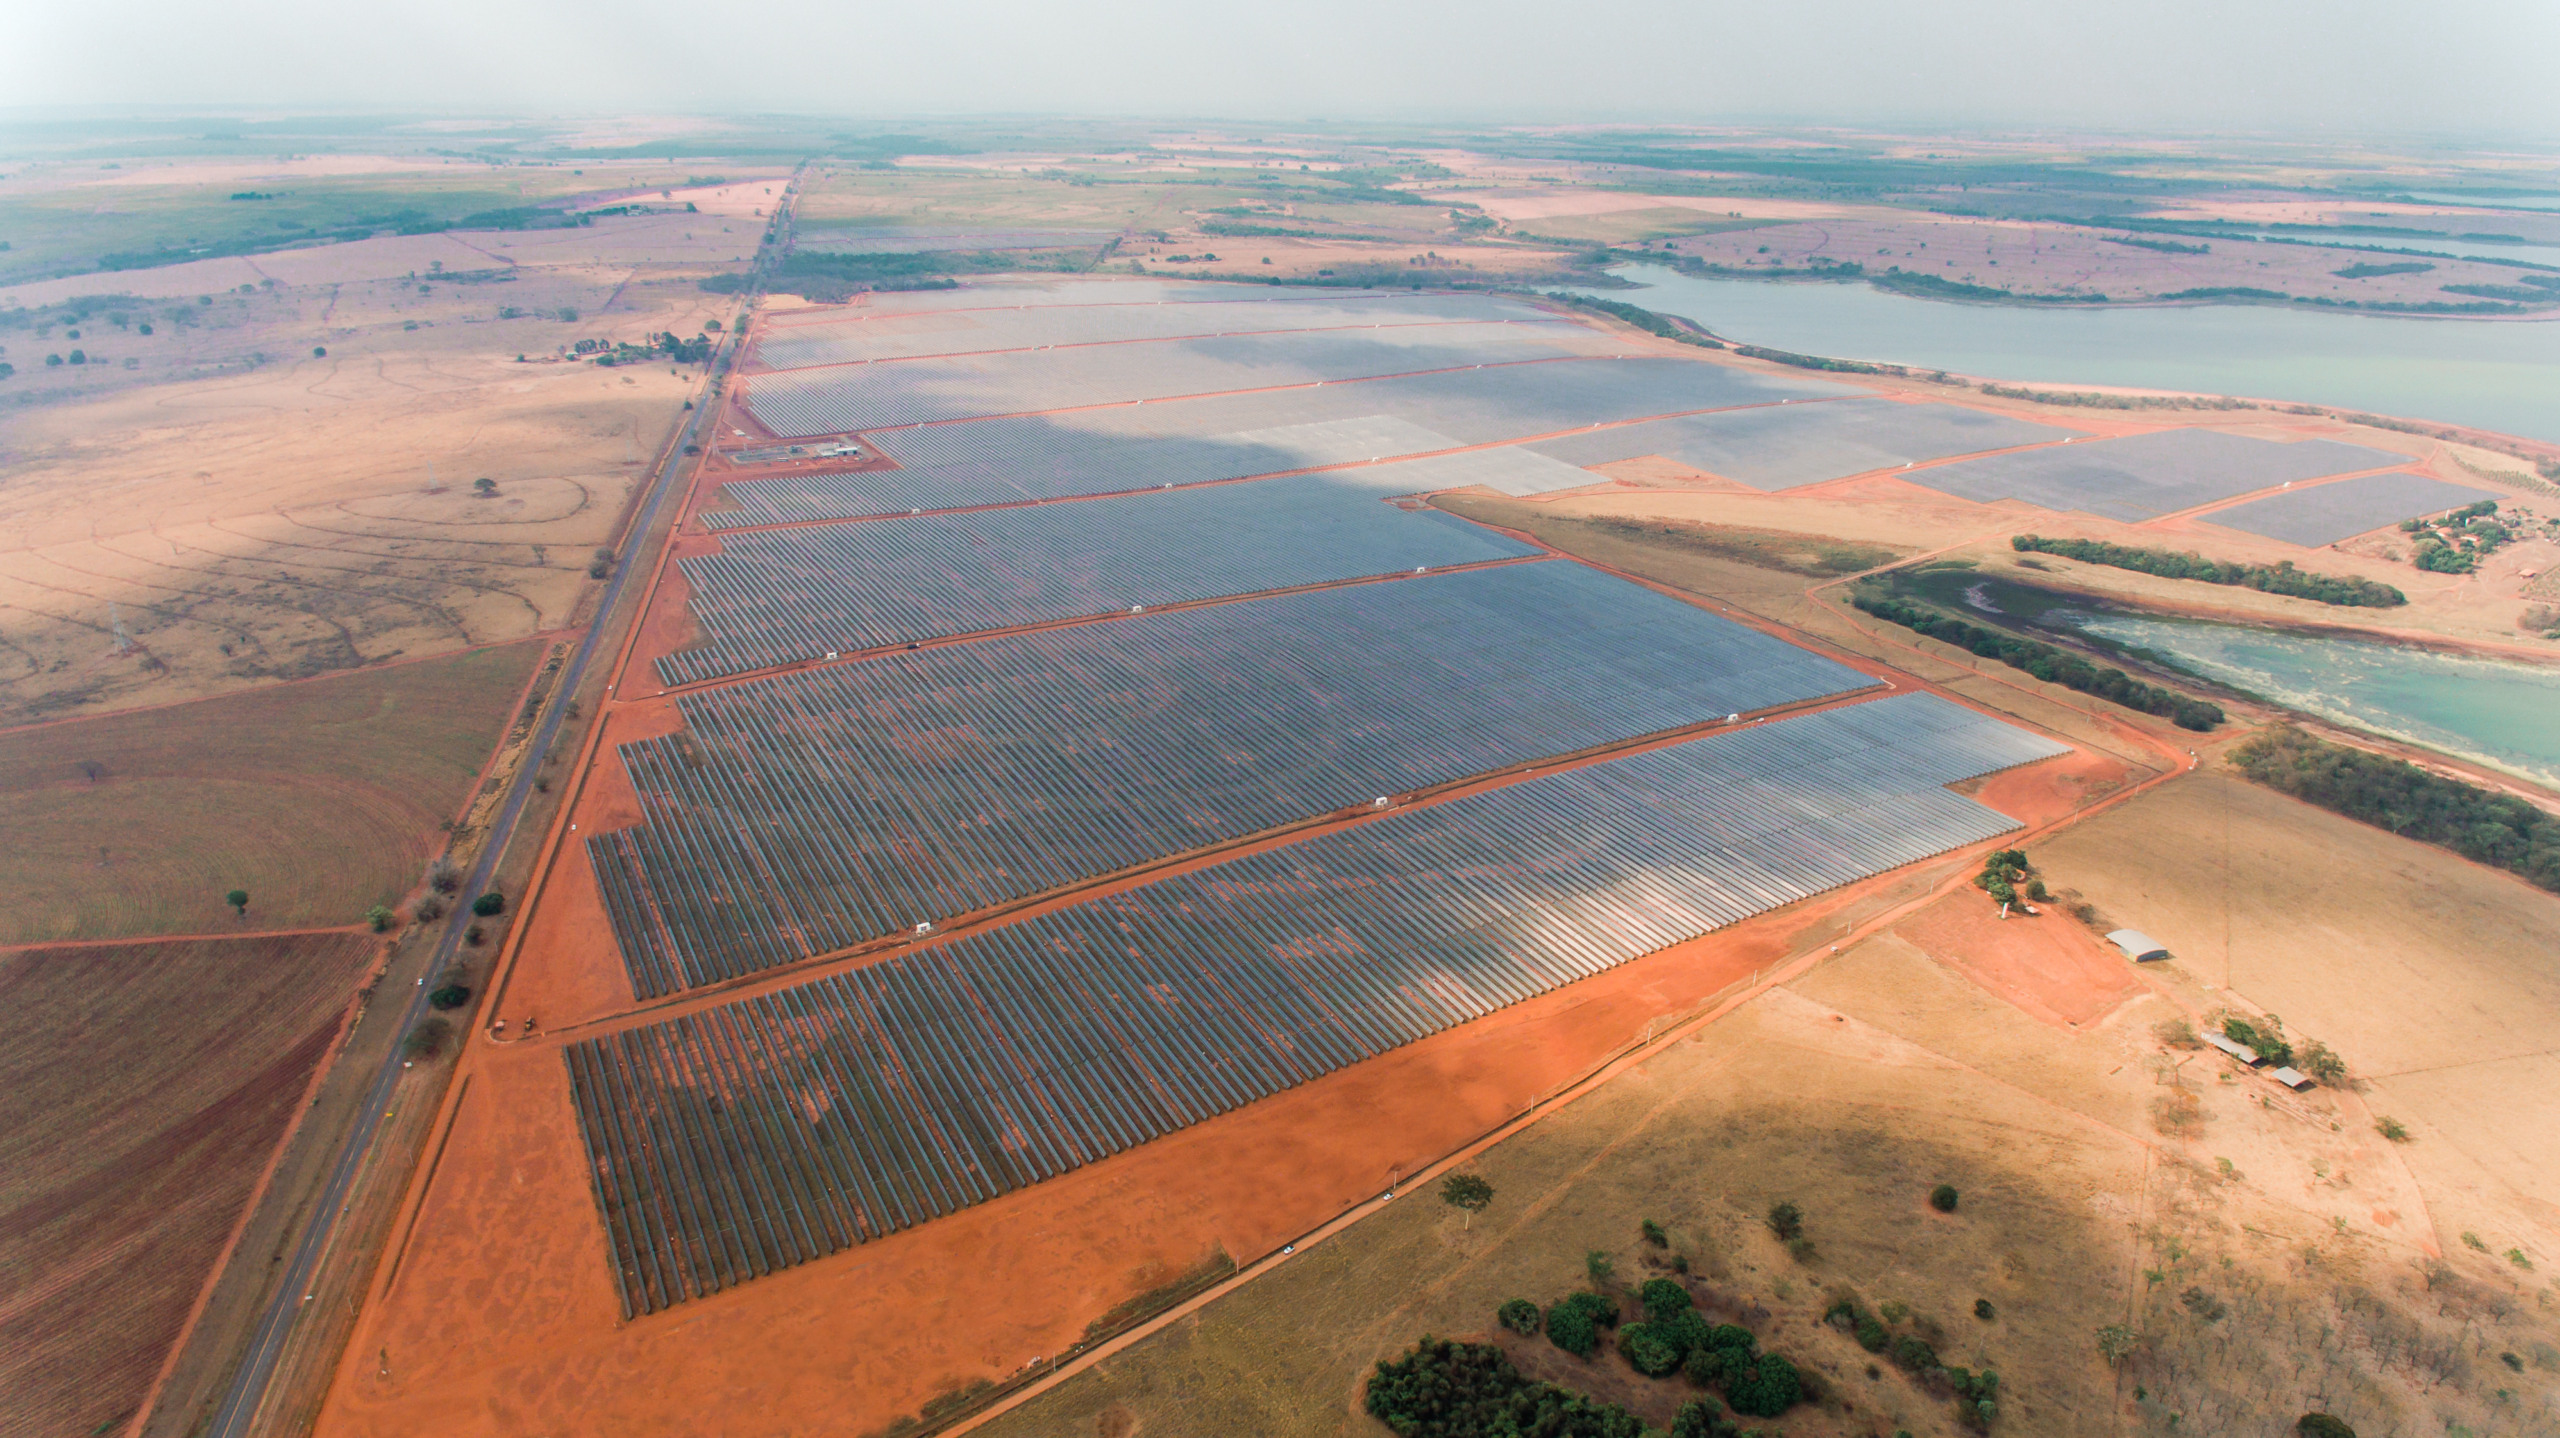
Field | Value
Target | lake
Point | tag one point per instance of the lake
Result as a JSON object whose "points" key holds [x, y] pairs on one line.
{"points": [[2494, 374], [2489, 711]]}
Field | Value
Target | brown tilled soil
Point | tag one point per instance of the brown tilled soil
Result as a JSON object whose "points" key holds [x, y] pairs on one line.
{"points": [[147, 1086]]}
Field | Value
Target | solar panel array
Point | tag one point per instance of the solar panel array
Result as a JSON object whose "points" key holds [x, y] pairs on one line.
{"points": [[1003, 461], [817, 809], [780, 596], [869, 336], [779, 1129], [1783, 446], [917, 391], [2327, 513], [2145, 475]]}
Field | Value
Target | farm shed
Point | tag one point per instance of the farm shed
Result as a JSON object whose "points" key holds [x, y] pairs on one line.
{"points": [[2137, 945], [2240, 1051], [2292, 1078]]}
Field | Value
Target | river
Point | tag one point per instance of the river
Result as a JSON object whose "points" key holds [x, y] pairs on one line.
{"points": [[2494, 374]]}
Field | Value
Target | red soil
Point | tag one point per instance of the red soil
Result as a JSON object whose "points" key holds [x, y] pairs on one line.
{"points": [[503, 1319], [2045, 964]]}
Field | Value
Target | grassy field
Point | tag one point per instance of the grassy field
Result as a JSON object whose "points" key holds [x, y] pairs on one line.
{"points": [[320, 799], [147, 1084]]}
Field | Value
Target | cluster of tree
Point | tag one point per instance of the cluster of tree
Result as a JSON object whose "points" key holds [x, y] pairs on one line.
{"points": [[666, 345], [2046, 662], [1935, 287], [2083, 399], [2455, 542], [1977, 1395], [2166, 247], [2006, 874], [1470, 1390], [1672, 1338], [2490, 828], [2277, 578], [1815, 362], [2264, 1036]]}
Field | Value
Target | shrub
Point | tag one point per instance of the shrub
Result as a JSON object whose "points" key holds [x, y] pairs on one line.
{"points": [[428, 1039], [2321, 1062], [2177, 1034], [443, 877], [2392, 1129], [1646, 1353], [1800, 1248], [379, 917], [2114, 1342], [1520, 1316], [2321, 1425], [1943, 1198], [1654, 1234], [428, 909], [1983, 1310], [1766, 1390], [1599, 1265], [1706, 1367], [1664, 1300], [489, 903], [1913, 1354], [1786, 1220], [1870, 1334], [1698, 1418], [1685, 1332], [449, 996]]}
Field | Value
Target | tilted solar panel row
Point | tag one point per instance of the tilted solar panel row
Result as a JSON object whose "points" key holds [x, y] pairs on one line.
{"points": [[779, 1129], [1782, 446], [1003, 461], [781, 596], [872, 336], [821, 808], [874, 396]]}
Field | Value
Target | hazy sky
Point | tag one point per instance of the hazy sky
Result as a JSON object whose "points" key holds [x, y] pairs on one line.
{"points": [[2369, 66]]}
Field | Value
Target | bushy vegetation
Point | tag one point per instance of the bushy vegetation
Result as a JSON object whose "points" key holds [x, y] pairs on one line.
{"points": [[2265, 1037], [2006, 875], [1520, 1316], [1574, 1323], [2393, 794], [2456, 542], [2046, 662], [2278, 578], [1976, 1394], [1943, 1198], [1643, 319], [1470, 1390]]}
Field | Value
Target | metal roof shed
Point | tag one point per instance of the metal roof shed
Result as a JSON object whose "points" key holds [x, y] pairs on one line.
{"points": [[2137, 945], [2240, 1051], [2292, 1078]]}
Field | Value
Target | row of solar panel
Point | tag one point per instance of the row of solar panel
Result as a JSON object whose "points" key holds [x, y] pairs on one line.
{"points": [[781, 596], [884, 336], [918, 391], [822, 808], [779, 1129], [1188, 441]]}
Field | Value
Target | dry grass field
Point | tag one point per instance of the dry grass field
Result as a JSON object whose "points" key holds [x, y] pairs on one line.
{"points": [[2260, 1263], [146, 1086], [305, 514], [320, 798]]}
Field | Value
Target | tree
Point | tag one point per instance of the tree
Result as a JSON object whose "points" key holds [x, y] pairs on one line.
{"points": [[379, 917], [1786, 1220], [319, 352], [1664, 1301], [1520, 1316], [79, 356], [1943, 1198], [484, 486], [1468, 1192], [428, 1039], [238, 899], [2114, 1342], [489, 903], [2321, 1425]]}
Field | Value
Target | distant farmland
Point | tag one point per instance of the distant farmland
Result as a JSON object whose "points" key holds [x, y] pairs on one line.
{"points": [[146, 1086], [320, 799]]}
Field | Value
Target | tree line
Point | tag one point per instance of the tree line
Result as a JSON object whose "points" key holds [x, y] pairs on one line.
{"points": [[2054, 666], [2277, 578], [2394, 794]]}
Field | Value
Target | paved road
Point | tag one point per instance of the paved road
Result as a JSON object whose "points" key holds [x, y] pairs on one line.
{"points": [[248, 1390]]}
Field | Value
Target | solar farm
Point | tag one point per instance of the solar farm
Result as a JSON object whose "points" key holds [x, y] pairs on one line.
{"points": [[2324, 514], [2143, 476], [1129, 741]]}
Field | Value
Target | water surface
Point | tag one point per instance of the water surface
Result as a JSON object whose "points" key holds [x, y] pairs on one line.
{"points": [[2493, 712], [2494, 374]]}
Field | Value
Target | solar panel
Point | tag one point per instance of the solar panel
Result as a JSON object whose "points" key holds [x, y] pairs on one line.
{"points": [[2326, 513], [853, 1106], [1781, 446], [2145, 475]]}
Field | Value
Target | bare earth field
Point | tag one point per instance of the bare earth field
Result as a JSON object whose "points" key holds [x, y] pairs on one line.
{"points": [[146, 1087], [320, 798]]}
